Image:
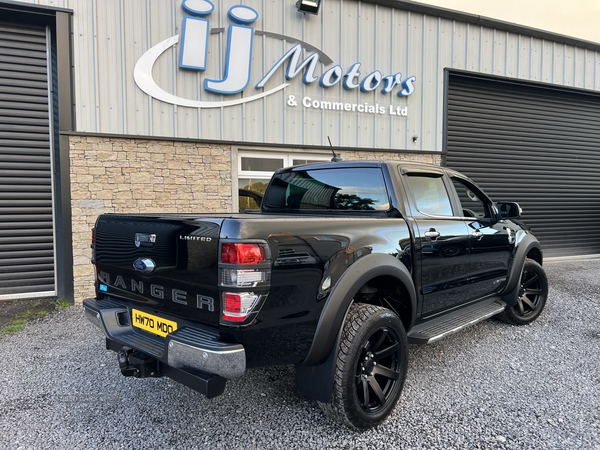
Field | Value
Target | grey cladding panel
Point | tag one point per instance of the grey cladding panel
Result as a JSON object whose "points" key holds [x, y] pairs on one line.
{"points": [[26, 209], [536, 145]]}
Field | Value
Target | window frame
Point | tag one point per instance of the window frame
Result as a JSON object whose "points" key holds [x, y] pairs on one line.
{"points": [[450, 191], [287, 158], [312, 175], [487, 201]]}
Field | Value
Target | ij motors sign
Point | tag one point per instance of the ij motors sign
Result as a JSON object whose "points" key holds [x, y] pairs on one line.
{"points": [[317, 67]]}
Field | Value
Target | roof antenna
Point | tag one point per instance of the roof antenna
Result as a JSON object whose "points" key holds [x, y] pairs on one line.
{"points": [[335, 158]]}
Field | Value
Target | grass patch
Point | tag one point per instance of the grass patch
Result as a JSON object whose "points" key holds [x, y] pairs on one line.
{"points": [[61, 303], [33, 311]]}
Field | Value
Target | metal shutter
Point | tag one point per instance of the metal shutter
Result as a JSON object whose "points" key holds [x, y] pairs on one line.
{"points": [[535, 145], [27, 265]]}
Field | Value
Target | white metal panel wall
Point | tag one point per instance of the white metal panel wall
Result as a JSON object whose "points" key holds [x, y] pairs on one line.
{"points": [[111, 35]]}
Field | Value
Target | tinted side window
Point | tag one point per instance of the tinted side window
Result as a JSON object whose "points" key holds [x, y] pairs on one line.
{"points": [[471, 203], [430, 194], [349, 189]]}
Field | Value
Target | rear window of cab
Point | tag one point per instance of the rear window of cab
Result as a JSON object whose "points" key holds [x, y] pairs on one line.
{"points": [[347, 189]]}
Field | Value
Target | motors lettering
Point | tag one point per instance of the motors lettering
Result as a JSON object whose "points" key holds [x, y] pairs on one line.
{"points": [[159, 292]]}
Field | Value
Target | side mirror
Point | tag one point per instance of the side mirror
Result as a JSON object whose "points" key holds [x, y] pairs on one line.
{"points": [[509, 210]]}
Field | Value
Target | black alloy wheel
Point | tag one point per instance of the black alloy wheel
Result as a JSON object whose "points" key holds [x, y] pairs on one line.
{"points": [[531, 300], [371, 367], [378, 369]]}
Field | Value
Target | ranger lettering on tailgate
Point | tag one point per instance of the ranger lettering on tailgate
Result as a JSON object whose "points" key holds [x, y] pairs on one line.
{"points": [[157, 291]]}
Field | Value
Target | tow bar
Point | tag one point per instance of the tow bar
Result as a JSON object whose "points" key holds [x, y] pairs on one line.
{"points": [[137, 364]]}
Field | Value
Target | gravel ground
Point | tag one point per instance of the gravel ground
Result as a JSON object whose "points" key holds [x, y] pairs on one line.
{"points": [[492, 386]]}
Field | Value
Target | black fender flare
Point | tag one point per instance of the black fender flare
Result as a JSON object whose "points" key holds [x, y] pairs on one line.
{"points": [[314, 377], [342, 294], [525, 245]]}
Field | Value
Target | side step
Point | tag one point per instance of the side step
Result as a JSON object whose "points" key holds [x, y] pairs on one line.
{"points": [[435, 329]]}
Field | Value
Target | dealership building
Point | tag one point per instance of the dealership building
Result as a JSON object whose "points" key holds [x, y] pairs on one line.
{"points": [[175, 105]]}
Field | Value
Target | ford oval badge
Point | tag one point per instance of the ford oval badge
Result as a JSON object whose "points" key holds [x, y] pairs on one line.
{"points": [[144, 265]]}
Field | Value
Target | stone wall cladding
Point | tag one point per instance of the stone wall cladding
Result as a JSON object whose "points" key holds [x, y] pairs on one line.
{"points": [[112, 175], [429, 158]]}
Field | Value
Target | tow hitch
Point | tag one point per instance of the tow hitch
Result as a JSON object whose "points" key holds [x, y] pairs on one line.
{"points": [[137, 364]]}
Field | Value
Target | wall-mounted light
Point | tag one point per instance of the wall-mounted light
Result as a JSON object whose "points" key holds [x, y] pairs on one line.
{"points": [[308, 6]]}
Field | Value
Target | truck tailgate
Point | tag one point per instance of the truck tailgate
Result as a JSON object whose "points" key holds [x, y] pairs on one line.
{"points": [[160, 263]]}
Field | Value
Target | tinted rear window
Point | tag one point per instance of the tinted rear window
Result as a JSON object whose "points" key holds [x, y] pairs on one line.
{"points": [[347, 189]]}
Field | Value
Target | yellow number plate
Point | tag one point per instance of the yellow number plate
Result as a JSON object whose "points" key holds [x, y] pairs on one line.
{"points": [[152, 323]]}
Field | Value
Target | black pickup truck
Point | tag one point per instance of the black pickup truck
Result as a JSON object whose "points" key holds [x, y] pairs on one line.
{"points": [[345, 264]]}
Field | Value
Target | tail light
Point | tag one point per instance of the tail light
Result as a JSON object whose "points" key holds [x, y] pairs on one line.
{"points": [[245, 267], [93, 246], [242, 253], [242, 278], [237, 305]]}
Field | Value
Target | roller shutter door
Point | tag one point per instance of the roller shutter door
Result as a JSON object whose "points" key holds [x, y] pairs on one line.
{"points": [[27, 257], [535, 145]]}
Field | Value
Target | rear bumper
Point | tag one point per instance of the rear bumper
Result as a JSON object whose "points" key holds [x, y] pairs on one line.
{"points": [[196, 349]]}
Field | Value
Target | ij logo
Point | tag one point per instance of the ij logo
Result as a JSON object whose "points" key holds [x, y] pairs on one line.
{"points": [[194, 45], [194, 42]]}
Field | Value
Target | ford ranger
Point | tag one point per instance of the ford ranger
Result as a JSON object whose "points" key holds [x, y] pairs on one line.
{"points": [[343, 266]]}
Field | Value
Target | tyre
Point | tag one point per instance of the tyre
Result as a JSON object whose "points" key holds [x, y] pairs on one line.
{"points": [[370, 368], [533, 293]]}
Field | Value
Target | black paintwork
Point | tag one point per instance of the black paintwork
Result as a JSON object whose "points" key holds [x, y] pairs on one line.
{"points": [[321, 261]]}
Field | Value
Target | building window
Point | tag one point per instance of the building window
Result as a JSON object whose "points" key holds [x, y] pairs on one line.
{"points": [[255, 170]]}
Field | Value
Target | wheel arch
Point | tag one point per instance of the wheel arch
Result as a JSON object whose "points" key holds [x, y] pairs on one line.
{"points": [[535, 253], [391, 293], [314, 377], [528, 247]]}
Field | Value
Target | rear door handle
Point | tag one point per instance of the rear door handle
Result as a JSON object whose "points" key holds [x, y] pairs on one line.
{"points": [[477, 234], [432, 234]]}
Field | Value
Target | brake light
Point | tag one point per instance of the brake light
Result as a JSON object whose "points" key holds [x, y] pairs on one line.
{"points": [[238, 253], [237, 305]]}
